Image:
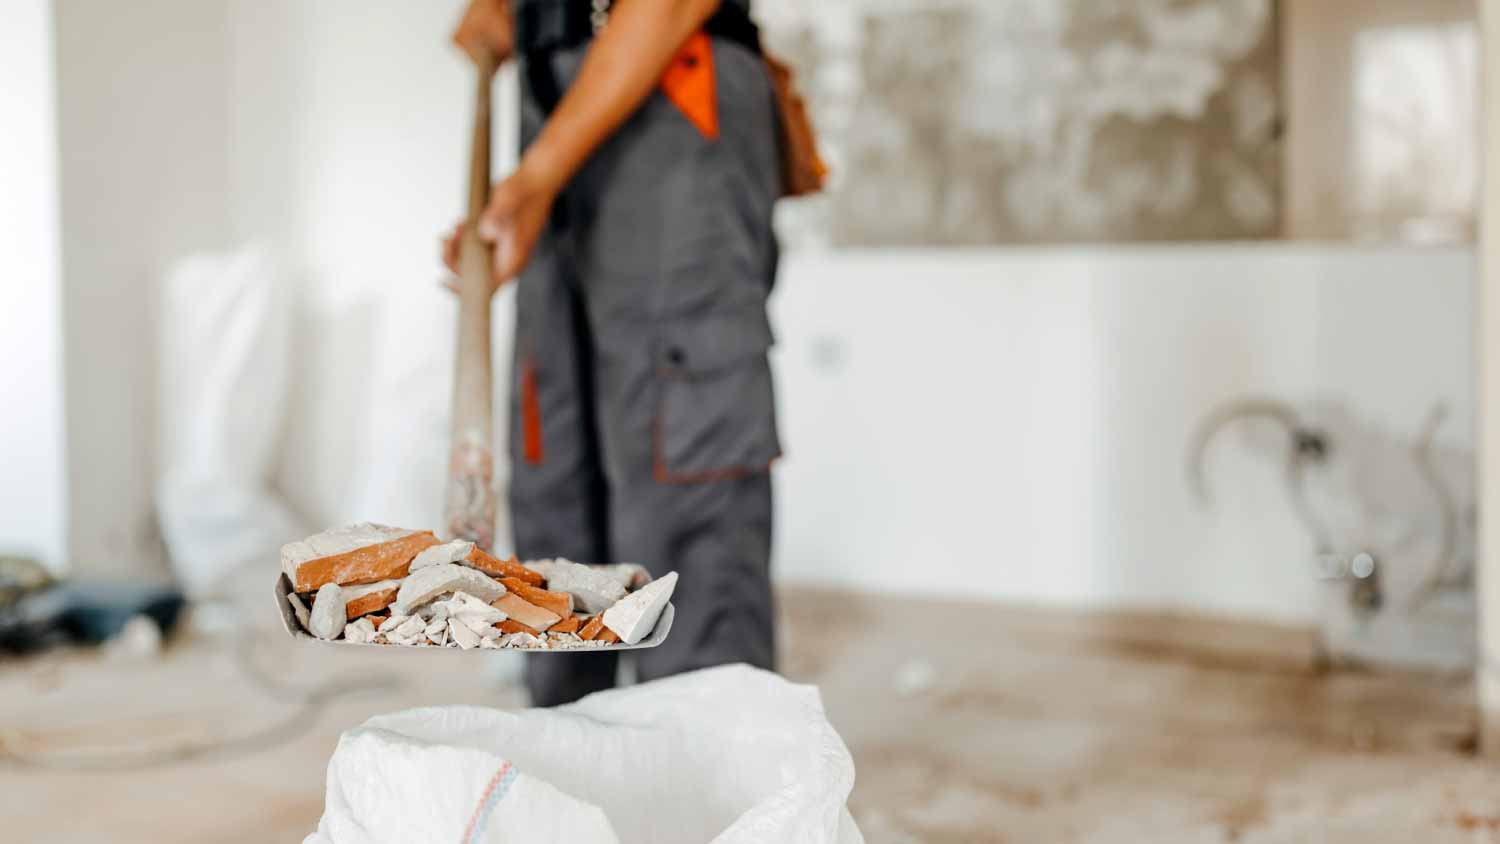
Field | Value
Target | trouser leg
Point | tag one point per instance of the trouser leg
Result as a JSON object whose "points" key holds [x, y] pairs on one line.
{"points": [[676, 257], [557, 494], [717, 536]]}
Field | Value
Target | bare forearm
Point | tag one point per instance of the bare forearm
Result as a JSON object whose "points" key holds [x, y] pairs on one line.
{"points": [[622, 66]]}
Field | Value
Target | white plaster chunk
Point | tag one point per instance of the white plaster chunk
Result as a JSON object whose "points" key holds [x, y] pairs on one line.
{"points": [[440, 638], [541, 567], [478, 628], [359, 631], [593, 590], [635, 615], [433, 629], [422, 586], [448, 552], [299, 609], [411, 628], [461, 634], [519, 640], [396, 620], [326, 621], [490, 644], [630, 575], [474, 612]]}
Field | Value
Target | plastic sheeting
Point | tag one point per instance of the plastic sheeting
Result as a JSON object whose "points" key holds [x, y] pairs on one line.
{"points": [[224, 334]]}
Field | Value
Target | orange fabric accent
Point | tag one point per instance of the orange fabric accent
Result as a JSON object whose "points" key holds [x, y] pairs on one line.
{"points": [[665, 475], [531, 416], [689, 83]]}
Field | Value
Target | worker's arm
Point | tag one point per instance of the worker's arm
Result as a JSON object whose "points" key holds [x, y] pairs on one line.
{"points": [[623, 65]]}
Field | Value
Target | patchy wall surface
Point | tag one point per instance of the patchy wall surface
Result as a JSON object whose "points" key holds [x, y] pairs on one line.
{"points": [[1038, 122]]}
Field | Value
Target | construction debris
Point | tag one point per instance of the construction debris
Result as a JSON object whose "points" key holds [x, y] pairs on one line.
{"points": [[362, 553], [503, 568], [635, 615], [327, 617], [362, 630], [370, 597], [449, 552], [631, 576], [527, 613], [371, 584], [299, 609], [461, 634], [426, 584], [592, 590]]}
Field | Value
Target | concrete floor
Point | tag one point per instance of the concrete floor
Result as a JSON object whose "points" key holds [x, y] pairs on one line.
{"points": [[1000, 725]]}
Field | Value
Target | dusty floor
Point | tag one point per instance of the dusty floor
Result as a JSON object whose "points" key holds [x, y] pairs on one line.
{"points": [[1001, 725]]}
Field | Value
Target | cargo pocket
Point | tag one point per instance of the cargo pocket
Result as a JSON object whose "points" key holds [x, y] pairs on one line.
{"points": [[716, 416]]}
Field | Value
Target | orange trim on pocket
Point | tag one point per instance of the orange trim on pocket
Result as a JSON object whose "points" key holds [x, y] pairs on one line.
{"points": [[689, 83], [531, 416], [665, 475]]}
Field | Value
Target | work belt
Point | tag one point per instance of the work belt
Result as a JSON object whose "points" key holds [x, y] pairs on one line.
{"points": [[543, 26]]}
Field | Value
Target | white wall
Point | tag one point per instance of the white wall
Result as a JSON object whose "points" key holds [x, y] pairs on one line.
{"points": [[1012, 423], [33, 482], [142, 128]]}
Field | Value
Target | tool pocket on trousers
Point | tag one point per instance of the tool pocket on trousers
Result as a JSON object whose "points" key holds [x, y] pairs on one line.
{"points": [[716, 416]]}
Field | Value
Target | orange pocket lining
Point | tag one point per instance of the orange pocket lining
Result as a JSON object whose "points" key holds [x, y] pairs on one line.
{"points": [[689, 83], [531, 416]]}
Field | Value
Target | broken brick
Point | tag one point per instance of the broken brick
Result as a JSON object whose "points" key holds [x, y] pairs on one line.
{"points": [[557, 603], [362, 553], [567, 625], [370, 597], [526, 612], [502, 568], [591, 628], [510, 625]]}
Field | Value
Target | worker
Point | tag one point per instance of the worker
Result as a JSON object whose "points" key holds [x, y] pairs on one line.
{"points": [[638, 227]]}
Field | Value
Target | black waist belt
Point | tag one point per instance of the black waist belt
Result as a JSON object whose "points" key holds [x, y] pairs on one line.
{"points": [[543, 26]]}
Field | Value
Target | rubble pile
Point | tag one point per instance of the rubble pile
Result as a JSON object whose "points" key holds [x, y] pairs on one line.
{"points": [[372, 584]]}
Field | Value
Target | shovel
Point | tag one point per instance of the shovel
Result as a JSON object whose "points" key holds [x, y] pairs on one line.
{"points": [[470, 509]]}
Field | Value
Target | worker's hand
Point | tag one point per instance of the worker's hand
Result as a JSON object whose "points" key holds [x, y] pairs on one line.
{"points": [[488, 29], [511, 223], [514, 219]]}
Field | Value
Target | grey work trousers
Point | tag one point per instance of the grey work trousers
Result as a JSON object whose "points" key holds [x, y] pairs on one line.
{"points": [[642, 420]]}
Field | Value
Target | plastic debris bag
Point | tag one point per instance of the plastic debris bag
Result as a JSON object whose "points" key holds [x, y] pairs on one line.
{"points": [[225, 340], [729, 755]]}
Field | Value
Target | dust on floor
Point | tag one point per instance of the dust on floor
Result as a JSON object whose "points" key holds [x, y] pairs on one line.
{"points": [[1003, 725]]}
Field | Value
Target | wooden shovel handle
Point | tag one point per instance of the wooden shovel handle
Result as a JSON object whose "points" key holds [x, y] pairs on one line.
{"points": [[470, 511]]}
